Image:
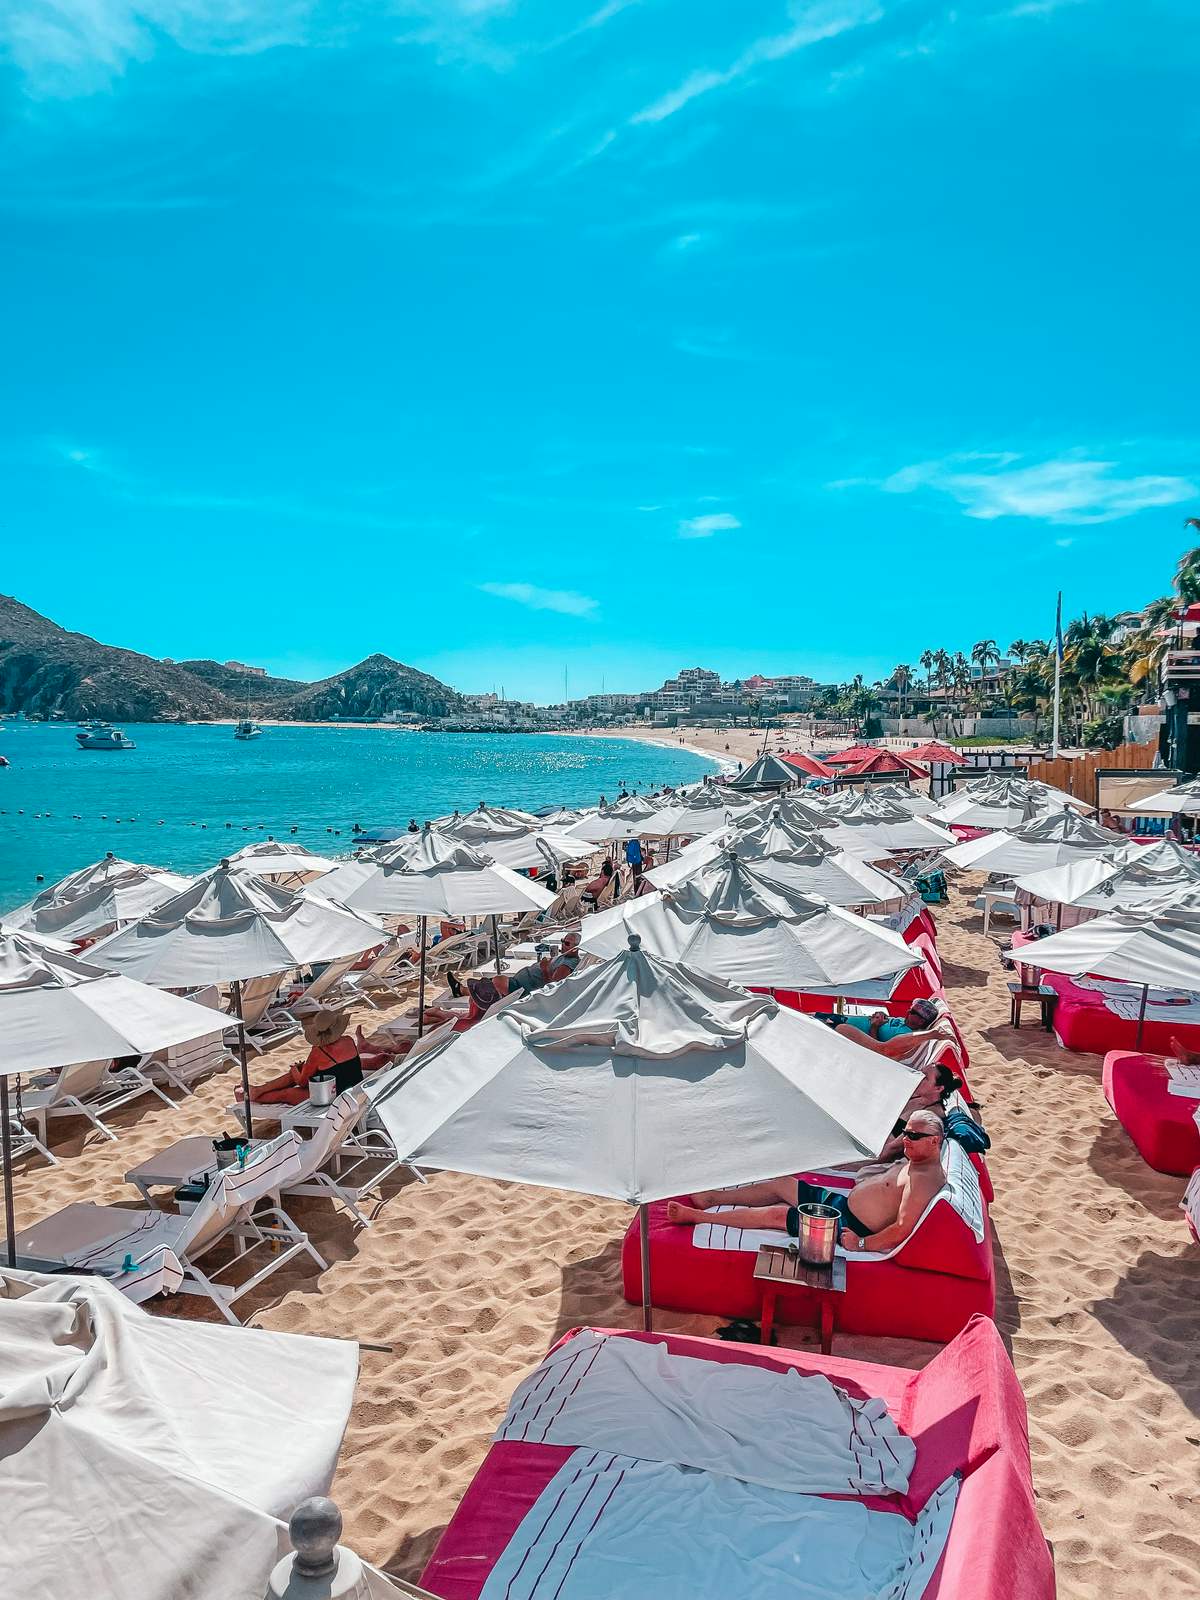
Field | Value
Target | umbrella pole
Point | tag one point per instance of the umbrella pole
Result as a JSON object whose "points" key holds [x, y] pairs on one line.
{"points": [[644, 1230], [241, 1030], [421, 985], [10, 1224], [495, 940], [1142, 1012]]}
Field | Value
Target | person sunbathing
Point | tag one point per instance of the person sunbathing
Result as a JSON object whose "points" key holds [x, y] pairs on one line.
{"points": [[333, 1050], [550, 967], [878, 1214], [894, 1037], [1181, 1053]]}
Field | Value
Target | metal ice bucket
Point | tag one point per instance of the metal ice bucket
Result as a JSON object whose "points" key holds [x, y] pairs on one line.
{"points": [[322, 1090], [818, 1233]]}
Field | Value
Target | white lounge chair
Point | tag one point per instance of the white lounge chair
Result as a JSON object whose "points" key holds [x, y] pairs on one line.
{"points": [[141, 1249], [182, 1065], [343, 1161], [262, 1030], [320, 990], [388, 974], [22, 1141], [86, 1089]]}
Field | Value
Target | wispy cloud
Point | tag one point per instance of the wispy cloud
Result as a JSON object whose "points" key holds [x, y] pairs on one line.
{"points": [[704, 527], [1072, 489], [64, 47], [566, 601], [815, 23], [711, 344]]}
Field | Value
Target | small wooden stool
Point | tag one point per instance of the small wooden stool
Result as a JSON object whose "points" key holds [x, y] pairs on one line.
{"points": [[1041, 995], [777, 1268]]}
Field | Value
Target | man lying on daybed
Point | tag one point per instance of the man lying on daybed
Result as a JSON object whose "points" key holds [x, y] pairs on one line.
{"points": [[895, 1037], [878, 1214]]}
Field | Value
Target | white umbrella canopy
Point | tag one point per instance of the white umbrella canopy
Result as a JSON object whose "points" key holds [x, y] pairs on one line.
{"points": [[57, 1009], [435, 875], [40, 941], [111, 872], [871, 828], [781, 854], [1155, 945], [637, 1080], [1182, 800], [275, 858], [497, 816], [229, 926], [622, 820], [912, 800], [517, 845], [1047, 841], [731, 923], [1138, 874], [111, 903]]}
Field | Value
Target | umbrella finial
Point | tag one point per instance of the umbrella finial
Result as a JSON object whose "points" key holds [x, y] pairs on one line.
{"points": [[635, 941], [224, 862]]}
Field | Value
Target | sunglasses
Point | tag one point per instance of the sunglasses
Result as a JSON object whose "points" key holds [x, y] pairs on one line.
{"points": [[915, 1134]]}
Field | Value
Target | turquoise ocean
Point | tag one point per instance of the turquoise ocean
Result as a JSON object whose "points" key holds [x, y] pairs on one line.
{"points": [[186, 794]]}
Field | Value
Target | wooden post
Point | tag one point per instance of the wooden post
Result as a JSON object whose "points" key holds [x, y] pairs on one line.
{"points": [[247, 1114]]}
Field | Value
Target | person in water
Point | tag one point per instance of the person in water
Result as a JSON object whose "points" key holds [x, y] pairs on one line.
{"points": [[332, 1050], [878, 1214]]}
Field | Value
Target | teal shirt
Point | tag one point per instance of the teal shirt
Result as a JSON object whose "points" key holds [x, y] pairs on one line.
{"points": [[887, 1030]]}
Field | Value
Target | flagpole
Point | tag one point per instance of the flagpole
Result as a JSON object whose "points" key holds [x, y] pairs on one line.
{"points": [[1057, 676]]}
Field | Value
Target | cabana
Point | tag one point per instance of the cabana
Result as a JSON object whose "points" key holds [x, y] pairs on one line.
{"points": [[881, 763]]}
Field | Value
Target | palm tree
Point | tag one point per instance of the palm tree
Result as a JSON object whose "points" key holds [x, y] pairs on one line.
{"points": [[1020, 650], [902, 677], [1187, 574]]}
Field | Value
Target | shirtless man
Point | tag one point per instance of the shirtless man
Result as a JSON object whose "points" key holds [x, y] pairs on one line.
{"points": [[879, 1212]]}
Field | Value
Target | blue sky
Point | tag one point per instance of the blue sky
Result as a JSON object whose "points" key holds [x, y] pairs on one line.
{"points": [[507, 335]]}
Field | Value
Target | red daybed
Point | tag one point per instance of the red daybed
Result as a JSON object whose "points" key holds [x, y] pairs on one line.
{"points": [[965, 1412], [1082, 1021], [1162, 1125], [927, 1288]]}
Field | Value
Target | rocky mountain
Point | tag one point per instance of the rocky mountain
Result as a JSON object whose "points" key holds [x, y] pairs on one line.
{"points": [[45, 669], [372, 689]]}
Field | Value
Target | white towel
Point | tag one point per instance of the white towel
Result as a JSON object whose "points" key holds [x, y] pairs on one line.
{"points": [[613, 1527], [774, 1427], [1184, 1080]]}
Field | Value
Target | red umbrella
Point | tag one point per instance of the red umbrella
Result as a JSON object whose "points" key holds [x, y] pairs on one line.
{"points": [[809, 764], [850, 756], [933, 751], [885, 761]]}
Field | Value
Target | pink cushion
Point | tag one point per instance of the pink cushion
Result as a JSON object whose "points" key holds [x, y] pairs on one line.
{"points": [[1161, 1125], [965, 1412]]}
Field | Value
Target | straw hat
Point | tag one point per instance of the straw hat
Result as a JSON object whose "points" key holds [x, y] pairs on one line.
{"points": [[323, 1027]]}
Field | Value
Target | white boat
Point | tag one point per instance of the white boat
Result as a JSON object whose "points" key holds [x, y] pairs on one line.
{"points": [[104, 738], [247, 728]]}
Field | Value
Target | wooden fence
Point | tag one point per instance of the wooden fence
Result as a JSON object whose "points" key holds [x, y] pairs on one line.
{"points": [[1077, 775]]}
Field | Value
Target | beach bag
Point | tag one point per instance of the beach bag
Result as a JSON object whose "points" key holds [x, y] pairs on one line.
{"points": [[964, 1130]]}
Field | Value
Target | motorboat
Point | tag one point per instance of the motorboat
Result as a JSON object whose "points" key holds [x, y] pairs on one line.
{"points": [[104, 738], [247, 728]]}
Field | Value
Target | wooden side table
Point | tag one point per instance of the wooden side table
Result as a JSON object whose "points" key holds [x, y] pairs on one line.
{"points": [[1040, 995], [777, 1268]]}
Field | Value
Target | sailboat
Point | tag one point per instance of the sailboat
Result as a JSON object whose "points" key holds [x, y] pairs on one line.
{"points": [[247, 728]]}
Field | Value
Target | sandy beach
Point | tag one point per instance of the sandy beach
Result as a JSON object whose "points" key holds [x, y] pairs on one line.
{"points": [[469, 1281]]}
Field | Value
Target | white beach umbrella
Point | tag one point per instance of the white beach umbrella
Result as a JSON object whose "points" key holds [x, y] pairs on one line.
{"points": [[56, 1010], [805, 862], [516, 845], [430, 874], [171, 1451], [1182, 800], [769, 771], [230, 926], [110, 871], [637, 1080], [871, 828], [501, 816], [275, 858], [912, 800], [1155, 945], [40, 941], [1131, 876], [1047, 841], [730, 922], [559, 817], [619, 821], [115, 901]]}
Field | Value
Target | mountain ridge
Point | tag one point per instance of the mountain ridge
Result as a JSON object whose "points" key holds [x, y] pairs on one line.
{"points": [[47, 669]]}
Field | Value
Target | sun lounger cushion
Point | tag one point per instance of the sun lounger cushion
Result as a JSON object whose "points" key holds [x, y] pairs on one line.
{"points": [[964, 1411], [928, 1288], [1161, 1124]]}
